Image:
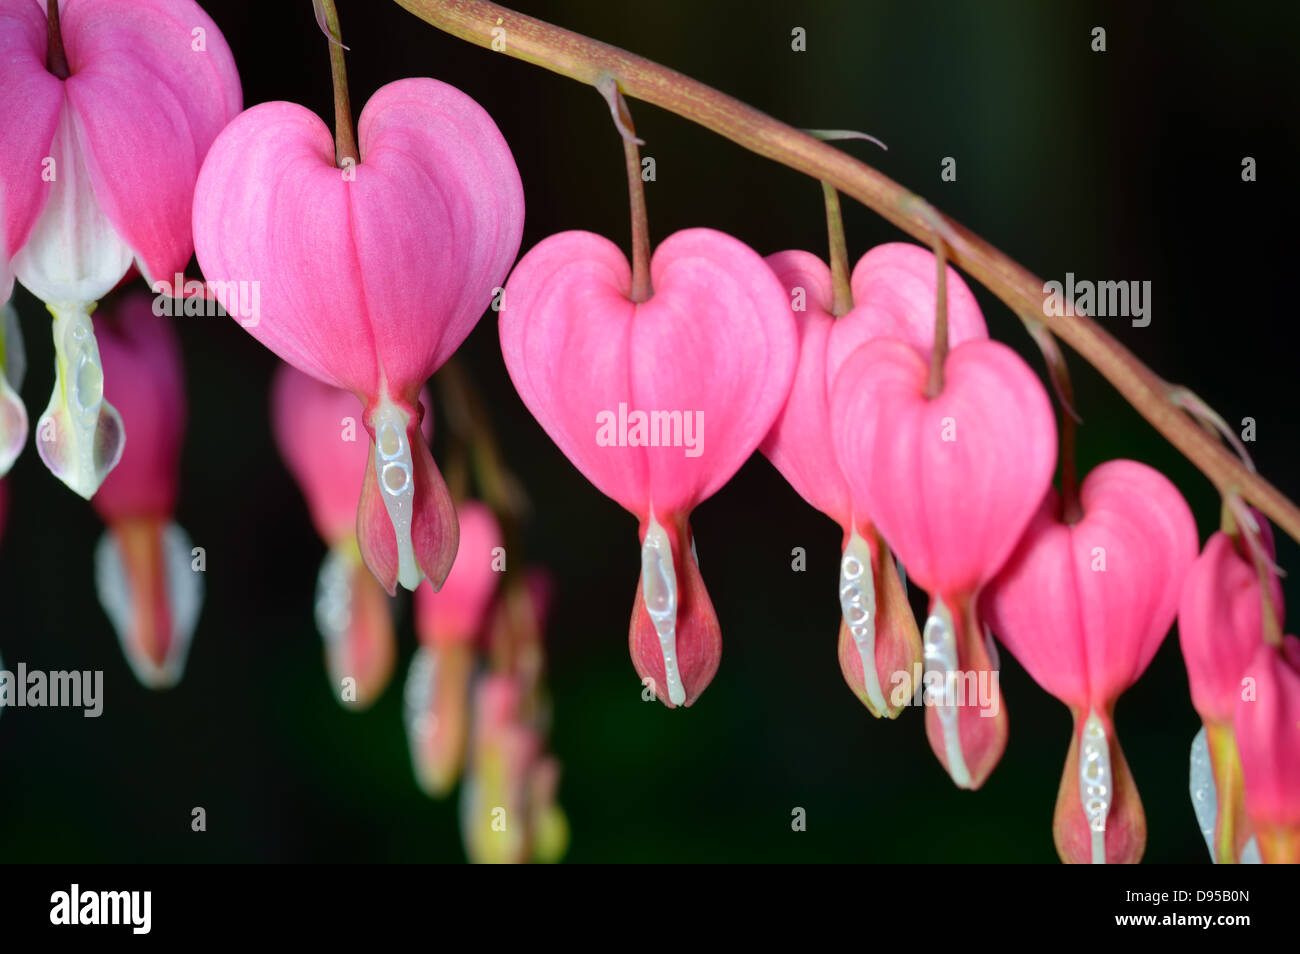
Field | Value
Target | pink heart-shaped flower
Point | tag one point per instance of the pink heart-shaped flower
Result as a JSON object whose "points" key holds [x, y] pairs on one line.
{"points": [[368, 277], [1084, 607], [657, 403]]}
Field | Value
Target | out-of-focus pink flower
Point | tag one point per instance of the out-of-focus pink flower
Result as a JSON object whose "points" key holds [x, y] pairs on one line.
{"points": [[448, 623], [456, 612], [1084, 607], [508, 810], [893, 289], [657, 403], [369, 276], [1267, 725], [147, 572], [97, 172], [1220, 628], [319, 432]]}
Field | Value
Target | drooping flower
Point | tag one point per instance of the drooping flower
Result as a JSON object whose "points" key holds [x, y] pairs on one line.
{"points": [[13, 365], [369, 276], [319, 433], [98, 158], [657, 403], [448, 623], [1267, 727], [893, 288], [145, 571], [494, 808], [950, 481], [1220, 628], [1084, 606]]}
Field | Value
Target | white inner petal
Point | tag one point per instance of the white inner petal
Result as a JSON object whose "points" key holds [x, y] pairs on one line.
{"points": [[1096, 790], [659, 588], [395, 469], [73, 255], [939, 642]]}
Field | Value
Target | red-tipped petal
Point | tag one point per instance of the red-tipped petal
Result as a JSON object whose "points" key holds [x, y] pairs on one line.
{"points": [[1099, 817], [437, 714], [354, 621], [412, 508], [895, 641], [680, 657], [151, 595], [965, 719]]}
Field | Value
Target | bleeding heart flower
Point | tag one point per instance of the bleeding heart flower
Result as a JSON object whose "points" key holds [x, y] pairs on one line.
{"points": [[658, 403], [1084, 607], [495, 810], [893, 289], [368, 277], [1220, 628], [97, 173], [1267, 725], [145, 570], [13, 364], [951, 481], [317, 430], [448, 623]]}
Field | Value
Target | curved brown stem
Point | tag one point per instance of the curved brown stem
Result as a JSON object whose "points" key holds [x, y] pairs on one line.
{"points": [[587, 60], [345, 139], [842, 302], [56, 58]]}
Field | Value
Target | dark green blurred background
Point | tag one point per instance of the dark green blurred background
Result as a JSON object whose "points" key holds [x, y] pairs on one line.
{"points": [[1116, 165]]}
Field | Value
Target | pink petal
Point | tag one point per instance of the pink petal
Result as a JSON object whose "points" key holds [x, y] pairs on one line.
{"points": [[434, 530], [952, 509], [1221, 625], [456, 612], [30, 101], [377, 279], [144, 380], [799, 444], [1268, 740], [1083, 632], [715, 344], [319, 431], [149, 105]]}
